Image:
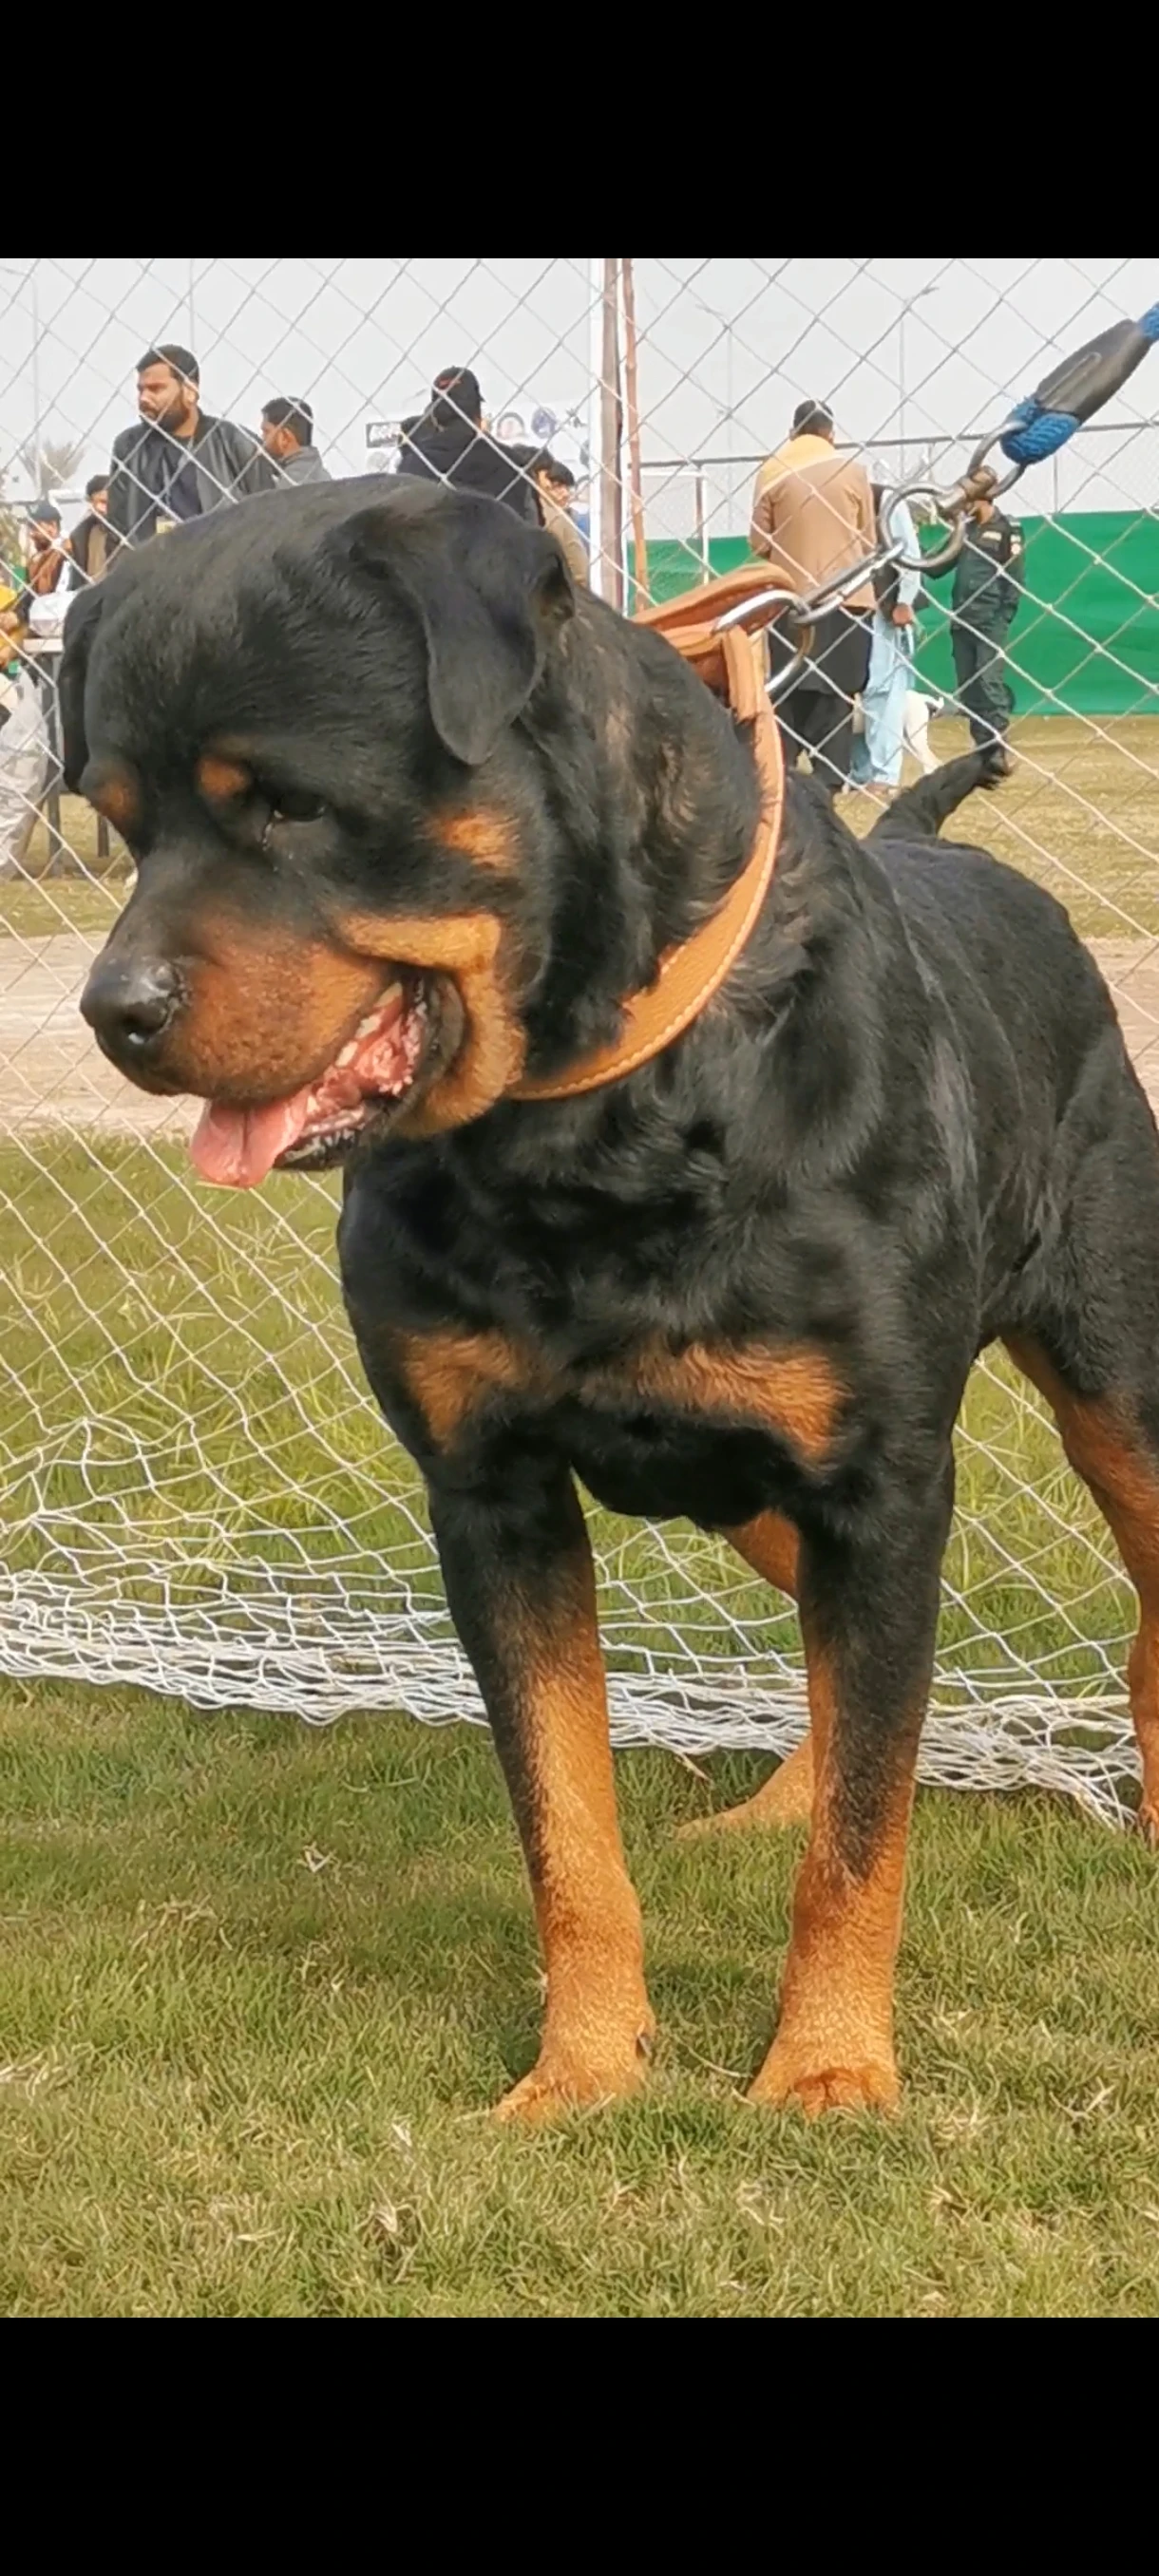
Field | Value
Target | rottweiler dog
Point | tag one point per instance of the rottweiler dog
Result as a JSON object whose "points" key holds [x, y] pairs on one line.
{"points": [[415, 828]]}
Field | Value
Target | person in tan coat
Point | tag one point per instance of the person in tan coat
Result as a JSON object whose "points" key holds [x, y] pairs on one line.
{"points": [[813, 516]]}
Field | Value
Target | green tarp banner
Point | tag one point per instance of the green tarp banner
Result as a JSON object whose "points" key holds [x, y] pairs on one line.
{"points": [[1086, 638]]}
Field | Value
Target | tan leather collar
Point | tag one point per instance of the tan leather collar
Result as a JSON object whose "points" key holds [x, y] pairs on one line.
{"points": [[690, 973]]}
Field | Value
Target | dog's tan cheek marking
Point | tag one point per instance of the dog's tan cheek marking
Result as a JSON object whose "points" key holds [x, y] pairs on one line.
{"points": [[266, 1014], [467, 947]]}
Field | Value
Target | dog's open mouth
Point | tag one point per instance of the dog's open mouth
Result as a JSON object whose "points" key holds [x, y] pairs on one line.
{"points": [[235, 1147]]}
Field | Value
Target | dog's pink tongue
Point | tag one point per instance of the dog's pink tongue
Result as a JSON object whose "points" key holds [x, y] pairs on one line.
{"points": [[235, 1148]]}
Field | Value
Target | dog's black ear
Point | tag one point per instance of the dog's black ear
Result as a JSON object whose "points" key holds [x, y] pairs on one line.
{"points": [[490, 593], [80, 626]]}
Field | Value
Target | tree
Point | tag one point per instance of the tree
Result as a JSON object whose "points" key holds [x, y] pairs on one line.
{"points": [[51, 462]]}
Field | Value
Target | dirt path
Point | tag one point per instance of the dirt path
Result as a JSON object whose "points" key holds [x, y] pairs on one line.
{"points": [[52, 1075]]}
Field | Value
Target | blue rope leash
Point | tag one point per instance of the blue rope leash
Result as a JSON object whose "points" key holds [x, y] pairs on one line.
{"points": [[1037, 433], [1076, 389]]}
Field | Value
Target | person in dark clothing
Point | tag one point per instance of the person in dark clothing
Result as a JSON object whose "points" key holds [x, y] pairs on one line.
{"points": [[178, 462], [813, 517], [288, 439], [47, 550], [93, 545], [450, 445], [816, 712], [987, 589], [406, 428]]}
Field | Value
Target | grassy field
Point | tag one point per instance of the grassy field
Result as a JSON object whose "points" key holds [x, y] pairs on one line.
{"points": [[257, 1985], [177, 1377], [36, 905], [1081, 815]]}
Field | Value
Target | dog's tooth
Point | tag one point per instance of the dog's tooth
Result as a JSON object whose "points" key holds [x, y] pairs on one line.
{"points": [[367, 1028], [348, 1053]]}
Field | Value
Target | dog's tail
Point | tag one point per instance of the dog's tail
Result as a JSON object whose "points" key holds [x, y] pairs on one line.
{"points": [[919, 813]]}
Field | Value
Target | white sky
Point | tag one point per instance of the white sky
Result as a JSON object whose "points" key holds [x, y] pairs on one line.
{"points": [[727, 347]]}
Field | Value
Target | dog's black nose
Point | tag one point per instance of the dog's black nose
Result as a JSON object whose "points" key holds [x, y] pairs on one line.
{"points": [[129, 1006]]}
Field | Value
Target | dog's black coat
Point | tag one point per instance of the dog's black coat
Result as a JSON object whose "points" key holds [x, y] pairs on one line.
{"points": [[906, 1125]]}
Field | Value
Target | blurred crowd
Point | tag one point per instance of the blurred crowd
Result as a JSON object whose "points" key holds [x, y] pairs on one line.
{"points": [[179, 461], [852, 710]]}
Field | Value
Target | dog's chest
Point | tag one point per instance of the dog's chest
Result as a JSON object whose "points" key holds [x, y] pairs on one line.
{"points": [[565, 1341], [712, 1432], [650, 1426]]}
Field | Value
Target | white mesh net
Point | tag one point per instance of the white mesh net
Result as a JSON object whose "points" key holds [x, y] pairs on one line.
{"points": [[196, 1490]]}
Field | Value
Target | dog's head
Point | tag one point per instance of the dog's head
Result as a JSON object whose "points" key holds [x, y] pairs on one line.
{"points": [[303, 718]]}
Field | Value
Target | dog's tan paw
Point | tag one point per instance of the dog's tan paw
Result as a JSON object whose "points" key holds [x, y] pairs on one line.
{"points": [[804, 2078], [560, 2084], [786, 1798]]}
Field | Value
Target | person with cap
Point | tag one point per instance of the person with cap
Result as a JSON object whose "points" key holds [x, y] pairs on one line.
{"points": [[288, 440], [177, 461], [983, 605], [812, 516], [47, 550], [450, 445], [92, 544]]}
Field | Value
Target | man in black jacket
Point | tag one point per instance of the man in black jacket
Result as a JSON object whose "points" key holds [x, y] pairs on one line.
{"points": [[177, 462], [450, 445]]}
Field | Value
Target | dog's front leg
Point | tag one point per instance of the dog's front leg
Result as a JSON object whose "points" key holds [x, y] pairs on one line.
{"points": [[520, 1582], [869, 1608]]}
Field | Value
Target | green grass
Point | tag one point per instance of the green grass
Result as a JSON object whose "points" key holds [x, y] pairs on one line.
{"points": [[37, 906], [1080, 815], [60, 905], [258, 1988], [176, 1374]]}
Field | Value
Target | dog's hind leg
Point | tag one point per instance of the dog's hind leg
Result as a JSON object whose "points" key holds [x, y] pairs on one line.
{"points": [[1087, 1335], [769, 1545], [1114, 1447]]}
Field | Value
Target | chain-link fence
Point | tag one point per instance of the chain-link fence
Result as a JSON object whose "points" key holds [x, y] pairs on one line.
{"points": [[196, 1490]]}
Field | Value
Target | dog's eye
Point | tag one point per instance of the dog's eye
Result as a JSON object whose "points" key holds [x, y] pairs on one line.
{"points": [[290, 805]]}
